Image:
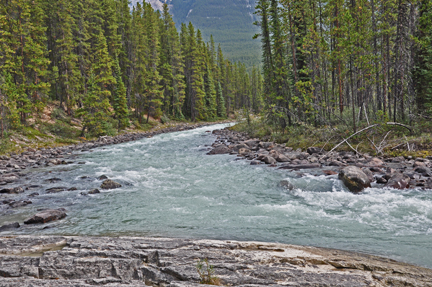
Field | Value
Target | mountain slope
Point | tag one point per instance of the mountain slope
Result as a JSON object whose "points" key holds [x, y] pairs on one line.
{"points": [[229, 21]]}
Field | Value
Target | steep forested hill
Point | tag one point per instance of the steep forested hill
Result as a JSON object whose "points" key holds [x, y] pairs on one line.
{"points": [[229, 21]]}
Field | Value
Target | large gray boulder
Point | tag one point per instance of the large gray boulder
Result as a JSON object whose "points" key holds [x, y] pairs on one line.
{"points": [[354, 178], [46, 216]]}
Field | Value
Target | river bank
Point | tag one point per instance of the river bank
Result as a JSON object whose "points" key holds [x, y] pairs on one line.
{"points": [[382, 171], [138, 261]]}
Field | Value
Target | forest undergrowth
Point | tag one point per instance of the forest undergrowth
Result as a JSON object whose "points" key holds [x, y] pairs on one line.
{"points": [[376, 138]]}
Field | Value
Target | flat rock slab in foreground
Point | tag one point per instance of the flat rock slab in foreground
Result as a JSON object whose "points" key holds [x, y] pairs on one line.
{"points": [[133, 261]]}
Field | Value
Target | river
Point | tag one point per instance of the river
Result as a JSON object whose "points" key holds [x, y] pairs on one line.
{"points": [[171, 188]]}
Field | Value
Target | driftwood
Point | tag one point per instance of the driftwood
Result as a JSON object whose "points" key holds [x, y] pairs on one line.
{"points": [[369, 127], [401, 125], [366, 128]]}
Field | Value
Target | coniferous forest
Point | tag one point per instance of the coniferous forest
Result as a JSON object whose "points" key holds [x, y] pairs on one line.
{"points": [[328, 62], [111, 66]]}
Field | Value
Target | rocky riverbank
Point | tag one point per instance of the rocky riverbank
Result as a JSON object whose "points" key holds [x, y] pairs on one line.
{"points": [[17, 190], [392, 172], [135, 261]]}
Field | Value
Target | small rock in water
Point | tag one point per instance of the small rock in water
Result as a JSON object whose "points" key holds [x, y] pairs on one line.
{"points": [[110, 184], [21, 203], [56, 189], [12, 190], [33, 194], [255, 162], [94, 191], [51, 180], [46, 216], [73, 188], [9, 226], [286, 184], [102, 177], [354, 178]]}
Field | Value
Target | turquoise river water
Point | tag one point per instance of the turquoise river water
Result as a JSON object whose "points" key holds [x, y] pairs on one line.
{"points": [[171, 188]]}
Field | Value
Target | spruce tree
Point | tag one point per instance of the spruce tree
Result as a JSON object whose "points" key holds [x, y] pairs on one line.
{"points": [[221, 112], [121, 112], [96, 108]]}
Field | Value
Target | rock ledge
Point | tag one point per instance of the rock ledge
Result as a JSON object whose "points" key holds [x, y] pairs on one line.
{"points": [[136, 261]]}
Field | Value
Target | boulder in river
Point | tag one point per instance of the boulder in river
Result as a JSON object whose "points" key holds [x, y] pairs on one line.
{"points": [[269, 160], [19, 203], [286, 184], [9, 226], [46, 216], [398, 181], [354, 178], [94, 191], [110, 184], [220, 149], [102, 177], [12, 190]]}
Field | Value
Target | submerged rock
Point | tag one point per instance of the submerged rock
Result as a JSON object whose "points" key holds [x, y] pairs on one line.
{"points": [[110, 184], [286, 184], [46, 216], [9, 226], [354, 178], [56, 189]]}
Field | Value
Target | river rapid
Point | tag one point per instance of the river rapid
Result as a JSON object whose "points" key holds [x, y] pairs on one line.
{"points": [[171, 188]]}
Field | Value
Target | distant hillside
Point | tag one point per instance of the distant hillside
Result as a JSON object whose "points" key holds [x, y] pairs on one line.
{"points": [[229, 21]]}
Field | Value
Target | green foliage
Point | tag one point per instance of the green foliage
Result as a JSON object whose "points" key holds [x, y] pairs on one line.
{"points": [[95, 110], [206, 273], [107, 65], [60, 129]]}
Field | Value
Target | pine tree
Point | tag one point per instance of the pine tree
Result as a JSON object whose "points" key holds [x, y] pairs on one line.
{"points": [[211, 104], [154, 93], [423, 67], [221, 112], [121, 112], [96, 108]]}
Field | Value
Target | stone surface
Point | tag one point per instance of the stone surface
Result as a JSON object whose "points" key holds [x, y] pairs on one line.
{"points": [[286, 184], [221, 149], [46, 216], [313, 150], [398, 181], [354, 178], [9, 226], [110, 184], [133, 261], [94, 191]]}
